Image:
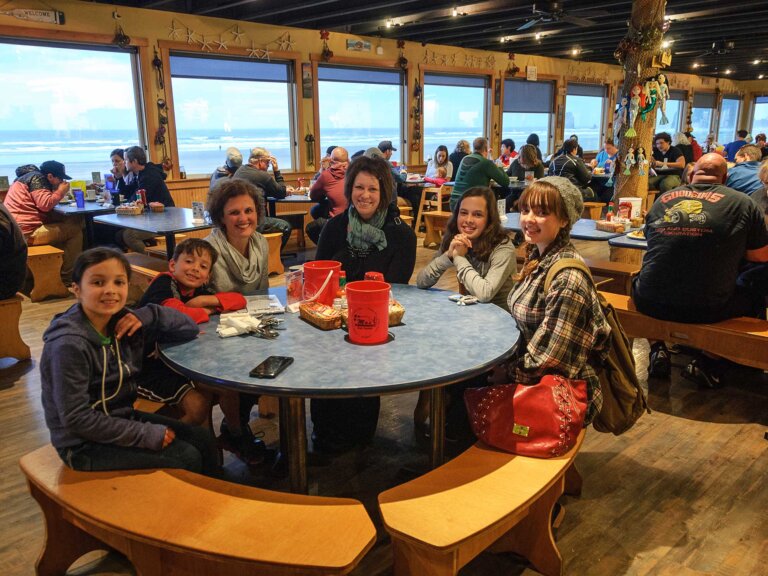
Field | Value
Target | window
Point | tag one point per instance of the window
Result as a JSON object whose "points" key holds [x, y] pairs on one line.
{"points": [[454, 109], [701, 117], [675, 105], [760, 116], [527, 110], [360, 107], [68, 103], [584, 114], [223, 102], [729, 117]]}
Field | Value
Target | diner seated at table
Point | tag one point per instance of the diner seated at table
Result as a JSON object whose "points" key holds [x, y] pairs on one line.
{"points": [[683, 143], [478, 248], [760, 142], [256, 171], [698, 237], [93, 356], [325, 162], [507, 153], [439, 160], [328, 190], [731, 148], [533, 139], [572, 168], [185, 288], [461, 150], [605, 157], [31, 199], [368, 237], [562, 331], [744, 175], [125, 180], [526, 161], [232, 161], [476, 170], [13, 255], [150, 177], [440, 177], [668, 163], [579, 150]]}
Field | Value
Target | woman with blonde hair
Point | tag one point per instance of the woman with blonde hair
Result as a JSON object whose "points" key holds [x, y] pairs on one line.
{"points": [[462, 149]]}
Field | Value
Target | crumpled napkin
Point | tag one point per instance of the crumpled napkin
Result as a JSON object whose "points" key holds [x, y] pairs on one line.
{"points": [[237, 323]]}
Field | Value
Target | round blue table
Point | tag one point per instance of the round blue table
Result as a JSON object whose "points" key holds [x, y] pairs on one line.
{"points": [[438, 343]]}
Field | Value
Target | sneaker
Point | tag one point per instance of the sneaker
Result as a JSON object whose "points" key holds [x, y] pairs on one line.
{"points": [[660, 365], [706, 372]]}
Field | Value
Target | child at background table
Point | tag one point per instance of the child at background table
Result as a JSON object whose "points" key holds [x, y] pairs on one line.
{"points": [[91, 357], [440, 178], [185, 288]]}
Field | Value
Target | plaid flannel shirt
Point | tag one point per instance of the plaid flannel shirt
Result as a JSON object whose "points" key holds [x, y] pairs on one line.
{"points": [[561, 331]]}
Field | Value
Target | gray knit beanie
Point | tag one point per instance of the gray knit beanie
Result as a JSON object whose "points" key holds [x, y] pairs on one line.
{"points": [[572, 198]]}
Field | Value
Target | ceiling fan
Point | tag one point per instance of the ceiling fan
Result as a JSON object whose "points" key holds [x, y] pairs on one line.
{"points": [[719, 48], [556, 13]]}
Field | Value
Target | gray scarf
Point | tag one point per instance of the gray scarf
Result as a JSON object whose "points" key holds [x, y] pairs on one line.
{"points": [[238, 265]]}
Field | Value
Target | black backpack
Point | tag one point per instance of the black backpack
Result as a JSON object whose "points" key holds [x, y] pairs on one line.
{"points": [[624, 400]]}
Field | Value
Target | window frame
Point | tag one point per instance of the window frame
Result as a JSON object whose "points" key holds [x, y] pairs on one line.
{"points": [[140, 63], [298, 154], [549, 147], [753, 110], [714, 116], [603, 100], [487, 74]]}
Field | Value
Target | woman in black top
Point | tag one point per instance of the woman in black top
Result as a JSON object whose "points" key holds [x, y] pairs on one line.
{"points": [[462, 149]]}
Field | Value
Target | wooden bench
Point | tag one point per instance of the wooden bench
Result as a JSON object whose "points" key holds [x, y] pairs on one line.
{"points": [[620, 273], [435, 222], [741, 340], [442, 520], [274, 240], [593, 210], [11, 344], [44, 262], [178, 522], [296, 220], [144, 269]]}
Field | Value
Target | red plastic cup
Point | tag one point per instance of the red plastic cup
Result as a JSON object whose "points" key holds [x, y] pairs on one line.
{"points": [[368, 303], [315, 275]]}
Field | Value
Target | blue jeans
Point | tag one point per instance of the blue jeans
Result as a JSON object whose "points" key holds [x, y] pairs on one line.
{"points": [[269, 224], [193, 450]]}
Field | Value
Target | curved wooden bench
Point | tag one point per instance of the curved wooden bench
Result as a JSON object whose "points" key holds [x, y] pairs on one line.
{"points": [[177, 522], [44, 262], [11, 343], [742, 340], [435, 222], [442, 520]]}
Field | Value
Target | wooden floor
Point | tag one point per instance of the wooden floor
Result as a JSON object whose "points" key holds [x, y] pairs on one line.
{"points": [[685, 492]]}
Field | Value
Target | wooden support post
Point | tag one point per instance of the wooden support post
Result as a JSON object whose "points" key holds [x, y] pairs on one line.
{"points": [[644, 37]]}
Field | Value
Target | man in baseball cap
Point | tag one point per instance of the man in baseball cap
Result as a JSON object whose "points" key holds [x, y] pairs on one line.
{"points": [[386, 148], [31, 200]]}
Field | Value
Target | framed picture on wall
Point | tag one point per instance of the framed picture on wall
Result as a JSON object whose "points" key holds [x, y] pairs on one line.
{"points": [[497, 92], [306, 80]]}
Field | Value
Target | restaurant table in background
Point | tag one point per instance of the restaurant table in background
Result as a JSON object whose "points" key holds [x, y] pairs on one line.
{"points": [[626, 249], [584, 229], [293, 198], [472, 340], [169, 222], [92, 208]]}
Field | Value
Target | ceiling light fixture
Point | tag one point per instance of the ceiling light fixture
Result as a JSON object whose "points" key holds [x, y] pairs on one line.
{"points": [[695, 65], [455, 12], [728, 71], [537, 35], [756, 62], [575, 51], [667, 43], [761, 76], [389, 23], [502, 39]]}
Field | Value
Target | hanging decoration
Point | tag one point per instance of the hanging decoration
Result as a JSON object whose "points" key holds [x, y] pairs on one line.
{"points": [[512, 68], [157, 64], [162, 115], [614, 165], [121, 38], [629, 161], [205, 45], [650, 92], [220, 44], [284, 42], [634, 110], [637, 40], [661, 80], [45, 16], [173, 32], [641, 161], [416, 115], [620, 117], [326, 54], [310, 140], [258, 53], [402, 61]]}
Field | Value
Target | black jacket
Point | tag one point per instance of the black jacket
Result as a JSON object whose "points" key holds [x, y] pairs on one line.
{"points": [[152, 179], [396, 261], [13, 255], [572, 168]]}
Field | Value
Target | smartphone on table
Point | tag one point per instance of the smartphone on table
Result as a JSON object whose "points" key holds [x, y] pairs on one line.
{"points": [[271, 367]]}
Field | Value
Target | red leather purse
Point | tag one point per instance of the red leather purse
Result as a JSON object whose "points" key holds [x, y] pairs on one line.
{"points": [[541, 420]]}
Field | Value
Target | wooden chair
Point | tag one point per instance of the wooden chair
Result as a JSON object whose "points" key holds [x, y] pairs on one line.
{"points": [[177, 522], [274, 240], [296, 220], [11, 344], [435, 223], [44, 262], [483, 498], [432, 199], [593, 210]]}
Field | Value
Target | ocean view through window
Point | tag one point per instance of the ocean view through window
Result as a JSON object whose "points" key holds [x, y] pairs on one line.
{"points": [[360, 107], [729, 117], [527, 110], [223, 102], [760, 116], [57, 109], [584, 114], [454, 109]]}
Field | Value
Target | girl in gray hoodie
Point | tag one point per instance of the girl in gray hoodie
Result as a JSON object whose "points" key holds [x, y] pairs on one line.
{"points": [[91, 357]]}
